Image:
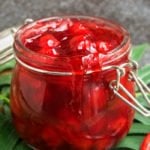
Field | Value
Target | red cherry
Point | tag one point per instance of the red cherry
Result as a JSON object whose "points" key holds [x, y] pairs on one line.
{"points": [[91, 25], [79, 28], [60, 25], [82, 44], [106, 46], [146, 143], [91, 62], [97, 127], [117, 124], [32, 43], [48, 43], [100, 97], [102, 47], [51, 136], [64, 25]]}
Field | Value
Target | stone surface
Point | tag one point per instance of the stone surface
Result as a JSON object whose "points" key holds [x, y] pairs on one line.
{"points": [[132, 14]]}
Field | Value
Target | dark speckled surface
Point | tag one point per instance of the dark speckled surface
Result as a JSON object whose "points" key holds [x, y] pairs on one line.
{"points": [[132, 14]]}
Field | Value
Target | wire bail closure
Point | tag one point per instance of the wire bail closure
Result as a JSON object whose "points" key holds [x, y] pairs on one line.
{"points": [[115, 86]]}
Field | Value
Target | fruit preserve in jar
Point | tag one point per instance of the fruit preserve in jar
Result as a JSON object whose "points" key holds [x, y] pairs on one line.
{"points": [[60, 95]]}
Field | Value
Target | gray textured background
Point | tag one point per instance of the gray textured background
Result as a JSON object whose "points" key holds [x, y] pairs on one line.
{"points": [[132, 14]]}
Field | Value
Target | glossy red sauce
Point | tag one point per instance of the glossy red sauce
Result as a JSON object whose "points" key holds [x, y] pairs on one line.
{"points": [[77, 112], [69, 37]]}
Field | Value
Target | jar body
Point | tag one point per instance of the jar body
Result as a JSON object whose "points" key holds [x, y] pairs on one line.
{"points": [[53, 110], [69, 112]]}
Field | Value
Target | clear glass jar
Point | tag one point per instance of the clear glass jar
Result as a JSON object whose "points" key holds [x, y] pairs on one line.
{"points": [[58, 106]]}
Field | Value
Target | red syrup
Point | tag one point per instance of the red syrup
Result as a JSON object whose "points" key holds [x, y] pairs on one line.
{"points": [[69, 112]]}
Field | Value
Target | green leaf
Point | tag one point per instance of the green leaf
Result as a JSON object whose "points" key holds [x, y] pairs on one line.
{"points": [[138, 51], [22, 146], [3, 120], [132, 142], [140, 118], [9, 139], [5, 91], [8, 65], [140, 98], [122, 148], [138, 128], [144, 73], [7, 111], [4, 99], [142, 101], [8, 136], [5, 79]]}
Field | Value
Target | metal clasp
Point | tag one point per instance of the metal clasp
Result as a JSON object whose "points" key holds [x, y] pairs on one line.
{"points": [[115, 86]]}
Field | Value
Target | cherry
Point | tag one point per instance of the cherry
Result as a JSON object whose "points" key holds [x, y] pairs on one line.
{"points": [[51, 136], [117, 124], [80, 29], [91, 61], [48, 43], [32, 43], [105, 46], [93, 26], [82, 44], [63, 25]]}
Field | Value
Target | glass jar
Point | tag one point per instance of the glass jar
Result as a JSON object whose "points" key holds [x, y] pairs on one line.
{"points": [[56, 105]]}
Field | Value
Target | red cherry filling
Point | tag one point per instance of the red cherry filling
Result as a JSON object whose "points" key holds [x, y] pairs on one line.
{"points": [[67, 37], [63, 25], [79, 28], [48, 43], [82, 44], [105, 46]]}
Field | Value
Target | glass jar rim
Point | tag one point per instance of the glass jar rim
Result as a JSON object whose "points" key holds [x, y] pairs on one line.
{"points": [[124, 43]]}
